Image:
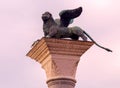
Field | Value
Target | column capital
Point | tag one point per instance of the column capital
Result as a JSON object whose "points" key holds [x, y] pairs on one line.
{"points": [[59, 58]]}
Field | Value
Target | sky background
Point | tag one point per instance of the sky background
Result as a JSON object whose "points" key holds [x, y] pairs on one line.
{"points": [[21, 25]]}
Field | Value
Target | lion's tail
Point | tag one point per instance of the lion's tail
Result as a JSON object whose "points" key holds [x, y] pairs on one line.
{"points": [[96, 43]]}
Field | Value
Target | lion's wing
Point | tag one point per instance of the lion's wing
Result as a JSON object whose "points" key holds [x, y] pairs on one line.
{"points": [[67, 15]]}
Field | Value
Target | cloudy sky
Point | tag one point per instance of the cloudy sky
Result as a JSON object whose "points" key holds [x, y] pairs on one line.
{"points": [[21, 25]]}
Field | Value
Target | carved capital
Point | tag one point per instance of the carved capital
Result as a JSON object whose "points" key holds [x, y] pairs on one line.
{"points": [[59, 58]]}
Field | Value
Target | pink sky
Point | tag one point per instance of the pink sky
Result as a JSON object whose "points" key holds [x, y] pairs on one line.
{"points": [[21, 25]]}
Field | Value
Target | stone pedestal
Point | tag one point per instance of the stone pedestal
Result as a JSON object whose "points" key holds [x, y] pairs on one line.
{"points": [[59, 58]]}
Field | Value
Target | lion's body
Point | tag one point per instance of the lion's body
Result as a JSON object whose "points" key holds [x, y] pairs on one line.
{"points": [[51, 29]]}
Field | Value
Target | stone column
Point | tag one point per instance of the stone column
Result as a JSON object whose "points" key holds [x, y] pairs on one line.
{"points": [[59, 58]]}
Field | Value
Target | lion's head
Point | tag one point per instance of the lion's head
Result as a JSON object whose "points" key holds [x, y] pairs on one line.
{"points": [[46, 16]]}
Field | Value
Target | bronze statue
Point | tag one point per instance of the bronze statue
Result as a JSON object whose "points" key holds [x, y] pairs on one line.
{"points": [[53, 29]]}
